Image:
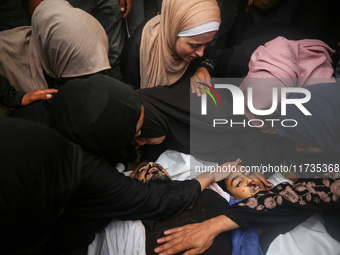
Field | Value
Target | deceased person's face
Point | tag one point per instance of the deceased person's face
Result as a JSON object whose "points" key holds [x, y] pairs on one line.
{"points": [[150, 172]]}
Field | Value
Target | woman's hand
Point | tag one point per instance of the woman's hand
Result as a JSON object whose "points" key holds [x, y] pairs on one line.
{"points": [[201, 76], [39, 94], [125, 6], [223, 171], [193, 238]]}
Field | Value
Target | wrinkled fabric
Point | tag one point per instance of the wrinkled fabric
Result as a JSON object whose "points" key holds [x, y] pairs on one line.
{"points": [[284, 63], [159, 61], [322, 128], [63, 41], [99, 113]]}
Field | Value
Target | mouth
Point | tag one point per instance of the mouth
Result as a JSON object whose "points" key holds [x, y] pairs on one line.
{"points": [[256, 187]]}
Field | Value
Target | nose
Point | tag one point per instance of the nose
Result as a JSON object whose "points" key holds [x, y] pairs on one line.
{"points": [[200, 51], [151, 164]]}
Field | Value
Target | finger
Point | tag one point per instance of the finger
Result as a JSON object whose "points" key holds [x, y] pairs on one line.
{"points": [[122, 5], [51, 91], [44, 92], [193, 88], [198, 92], [263, 179], [42, 96], [265, 182], [170, 248], [128, 10], [173, 230]]}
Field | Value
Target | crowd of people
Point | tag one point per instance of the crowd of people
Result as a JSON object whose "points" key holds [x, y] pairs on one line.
{"points": [[92, 89]]}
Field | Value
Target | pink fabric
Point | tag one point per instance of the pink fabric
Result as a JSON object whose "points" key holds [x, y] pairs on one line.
{"points": [[285, 63]]}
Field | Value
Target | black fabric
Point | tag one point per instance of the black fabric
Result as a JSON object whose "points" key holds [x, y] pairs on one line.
{"points": [[175, 111], [297, 202], [8, 95], [38, 111], [233, 61], [13, 13], [207, 206], [99, 113], [103, 192], [286, 13], [40, 172], [106, 194], [322, 128], [318, 20], [332, 223]]}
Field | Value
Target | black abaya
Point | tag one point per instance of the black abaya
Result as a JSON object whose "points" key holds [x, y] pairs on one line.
{"points": [[100, 114], [40, 172]]}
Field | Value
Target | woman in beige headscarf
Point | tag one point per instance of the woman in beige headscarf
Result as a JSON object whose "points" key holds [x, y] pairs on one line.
{"points": [[161, 53], [62, 43]]}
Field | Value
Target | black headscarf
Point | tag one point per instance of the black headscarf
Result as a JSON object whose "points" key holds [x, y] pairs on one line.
{"points": [[40, 172], [322, 128], [175, 112], [99, 113]]}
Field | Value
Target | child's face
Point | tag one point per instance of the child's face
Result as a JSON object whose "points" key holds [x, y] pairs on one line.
{"points": [[241, 186]]}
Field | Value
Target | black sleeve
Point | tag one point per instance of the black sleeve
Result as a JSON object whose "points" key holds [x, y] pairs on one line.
{"points": [[208, 64], [106, 193], [8, 95], [287, 203], [129, 60]]}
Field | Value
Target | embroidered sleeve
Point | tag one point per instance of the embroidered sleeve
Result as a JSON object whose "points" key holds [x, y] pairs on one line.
{"points": [[287, 202], [208, 64]]}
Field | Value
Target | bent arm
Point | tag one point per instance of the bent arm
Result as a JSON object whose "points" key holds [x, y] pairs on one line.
{"points": [[106, 193], [8, 95]]}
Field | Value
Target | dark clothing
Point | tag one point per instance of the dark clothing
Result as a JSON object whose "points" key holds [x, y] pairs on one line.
{"points": [[13, 13], [102, 117], [287, 203], [100, 114], [317, 20], [319, 192], [175, 112], [322, 128], [8, 95], [40, 172], [233, 62], [210, 204]]}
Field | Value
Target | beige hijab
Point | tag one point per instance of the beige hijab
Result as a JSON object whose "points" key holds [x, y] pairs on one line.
{"points": [[159, 62], [64, 41]]}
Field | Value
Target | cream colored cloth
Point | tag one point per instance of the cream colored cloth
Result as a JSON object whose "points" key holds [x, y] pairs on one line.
{"points": [[159, 61], [64, 41]]}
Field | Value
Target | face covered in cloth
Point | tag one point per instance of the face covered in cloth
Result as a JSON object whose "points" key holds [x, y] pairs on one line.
{"points": [[99, 113]]}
